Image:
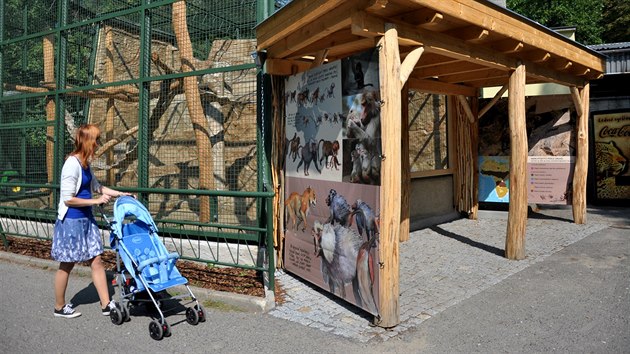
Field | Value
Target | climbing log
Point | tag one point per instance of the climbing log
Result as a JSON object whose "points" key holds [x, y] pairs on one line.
{"points": [[49, 75], [517, 214], [110, 109], [195, 110]]}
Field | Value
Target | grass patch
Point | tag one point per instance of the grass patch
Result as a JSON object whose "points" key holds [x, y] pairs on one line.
{"points": [[221, 306]]}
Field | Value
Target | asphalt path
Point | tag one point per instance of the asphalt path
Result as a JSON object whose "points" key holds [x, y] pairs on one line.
{"points": [[575, 301]]}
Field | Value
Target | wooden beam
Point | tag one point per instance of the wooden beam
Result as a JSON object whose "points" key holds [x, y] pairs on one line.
{"points": [[471, 34], [312, 32], [409, 63], [561, 64], [536, 56], [507, 25], [389, 62], [286, 67], [274, 28], [431, 59], [577, 100], [517, 213], [474, 76], [466, 106], [581, 159], [507, 46], [456, 67], [335, 39], [439, 43], [492, 102], [442, 88], [320, 57], [426, 18]]}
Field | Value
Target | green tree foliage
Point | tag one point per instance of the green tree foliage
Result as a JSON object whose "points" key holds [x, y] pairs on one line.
{"points": [[616, 21], [585, 15]]}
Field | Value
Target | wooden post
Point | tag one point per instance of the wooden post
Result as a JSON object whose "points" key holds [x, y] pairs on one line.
{"points": [[389, 69], [474, 143], [405, 169], [111, 108], [49, 76], [581, 159], [517, 215], [195, 110], [406, 68]]}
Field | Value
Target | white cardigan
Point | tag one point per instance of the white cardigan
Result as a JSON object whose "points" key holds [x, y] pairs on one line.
{"points": [[71, 178]]}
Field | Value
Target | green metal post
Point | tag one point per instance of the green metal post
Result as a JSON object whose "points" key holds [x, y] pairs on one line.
{"points": [[60, 107], [143, 102], [21, 138], [5, 242], [264, 9]]}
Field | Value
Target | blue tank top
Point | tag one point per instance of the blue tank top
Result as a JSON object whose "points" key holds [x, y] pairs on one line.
{"points": [[84, 192]]}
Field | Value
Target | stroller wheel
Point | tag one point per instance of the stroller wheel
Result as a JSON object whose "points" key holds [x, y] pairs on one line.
{"points": [[124, 309], [166, 328], [192, 316], [155, 330], [116, 316], [201, 312]]}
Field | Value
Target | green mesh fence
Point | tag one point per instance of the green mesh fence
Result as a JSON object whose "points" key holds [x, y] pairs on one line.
{"points": [[174, 89]]}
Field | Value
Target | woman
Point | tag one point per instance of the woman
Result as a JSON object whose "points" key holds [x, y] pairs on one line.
{"points": [[76, 235]]}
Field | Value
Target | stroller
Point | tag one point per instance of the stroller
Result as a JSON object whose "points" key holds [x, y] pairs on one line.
{"points": [[149, 269]]}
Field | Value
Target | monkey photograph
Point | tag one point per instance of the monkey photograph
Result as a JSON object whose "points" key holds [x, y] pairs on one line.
{"points": [[362, 161], [360, 71], [363, 115]]}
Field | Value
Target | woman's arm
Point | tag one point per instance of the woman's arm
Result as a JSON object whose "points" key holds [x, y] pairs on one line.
{"points": [[112, 192]]}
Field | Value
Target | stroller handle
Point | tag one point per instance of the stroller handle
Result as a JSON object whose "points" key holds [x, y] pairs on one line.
{"points": [[159, 259]]}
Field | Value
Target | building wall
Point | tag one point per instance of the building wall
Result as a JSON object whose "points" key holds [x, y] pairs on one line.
{"points": [[431, 201]]}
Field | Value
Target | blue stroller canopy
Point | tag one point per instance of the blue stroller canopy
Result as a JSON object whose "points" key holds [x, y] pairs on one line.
{"points": [[125, 207]]}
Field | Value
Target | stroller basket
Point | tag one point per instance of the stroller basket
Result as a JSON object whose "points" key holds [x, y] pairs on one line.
{"points": [[144, 265]]}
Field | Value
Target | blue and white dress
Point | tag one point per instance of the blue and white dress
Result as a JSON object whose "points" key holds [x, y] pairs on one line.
{"points": [[77, 237]]}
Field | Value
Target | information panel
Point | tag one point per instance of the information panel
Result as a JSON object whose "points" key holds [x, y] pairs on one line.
{"points": [[332, 184]]}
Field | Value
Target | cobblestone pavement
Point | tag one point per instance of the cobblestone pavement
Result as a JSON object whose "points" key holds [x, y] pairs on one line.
{"points": [[440, 266]]}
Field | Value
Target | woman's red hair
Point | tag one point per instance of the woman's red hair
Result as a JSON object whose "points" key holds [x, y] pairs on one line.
{"points": [[85, 143]]}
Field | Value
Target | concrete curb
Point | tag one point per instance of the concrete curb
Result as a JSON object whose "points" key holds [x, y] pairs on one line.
{"points": [[241, 302]]}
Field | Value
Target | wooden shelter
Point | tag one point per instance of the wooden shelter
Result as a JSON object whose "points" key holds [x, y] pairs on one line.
{"points": [[452, 47]]}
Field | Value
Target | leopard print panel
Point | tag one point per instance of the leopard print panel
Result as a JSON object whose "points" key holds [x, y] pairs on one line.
{"points": [[609, 163]]}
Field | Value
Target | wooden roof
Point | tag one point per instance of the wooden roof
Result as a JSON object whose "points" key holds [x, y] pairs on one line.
{"points": [[467, 44]]}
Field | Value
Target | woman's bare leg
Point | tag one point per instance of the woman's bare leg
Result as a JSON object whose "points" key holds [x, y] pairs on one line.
{"points": [[61, 283], [100, 280]]}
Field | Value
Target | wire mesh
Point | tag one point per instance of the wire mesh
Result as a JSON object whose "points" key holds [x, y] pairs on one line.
{"points": [[428, 139], [172, 86]]}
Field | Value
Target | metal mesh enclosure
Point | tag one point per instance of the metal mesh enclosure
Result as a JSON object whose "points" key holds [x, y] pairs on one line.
{"points": [[172, 86]]}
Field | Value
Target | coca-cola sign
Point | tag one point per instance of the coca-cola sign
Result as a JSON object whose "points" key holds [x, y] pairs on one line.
{"points": [[611, 155]]}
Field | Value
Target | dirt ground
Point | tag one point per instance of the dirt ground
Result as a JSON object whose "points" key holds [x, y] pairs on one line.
{"points": [[228, 279]]}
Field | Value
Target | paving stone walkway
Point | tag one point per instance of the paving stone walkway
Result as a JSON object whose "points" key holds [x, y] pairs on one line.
{"points": [[440, 266]]}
